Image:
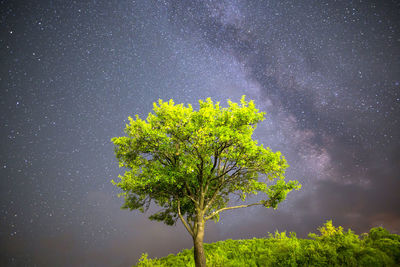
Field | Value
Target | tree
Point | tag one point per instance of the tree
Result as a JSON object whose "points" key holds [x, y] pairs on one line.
{"points": [[191, 162]]}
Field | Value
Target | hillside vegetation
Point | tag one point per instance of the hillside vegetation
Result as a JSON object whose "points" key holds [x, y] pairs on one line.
{"points": [[331, 247]]}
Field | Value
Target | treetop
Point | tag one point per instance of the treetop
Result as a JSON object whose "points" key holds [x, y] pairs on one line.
{"points": [[186, 159]]}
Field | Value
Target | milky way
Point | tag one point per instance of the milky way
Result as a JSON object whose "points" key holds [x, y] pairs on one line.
{"points": [[327, 73]]}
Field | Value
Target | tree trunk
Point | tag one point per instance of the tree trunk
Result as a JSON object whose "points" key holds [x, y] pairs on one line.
{"points": [[199, 256]]}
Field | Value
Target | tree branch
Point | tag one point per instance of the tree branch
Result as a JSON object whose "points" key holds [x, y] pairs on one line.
{"points": [[168, 159], [191, 195], [224, 171], [217, 190], [230, 208], [183, 220], [191, 225], [216, 157], [217, 154]]}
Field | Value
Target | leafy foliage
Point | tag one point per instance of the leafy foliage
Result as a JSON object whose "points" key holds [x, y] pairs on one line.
{"points": [[193, 160], [332, 247], [190, 163]]}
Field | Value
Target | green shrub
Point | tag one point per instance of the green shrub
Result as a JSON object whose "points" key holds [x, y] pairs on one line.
{"points": [[331, 247]]}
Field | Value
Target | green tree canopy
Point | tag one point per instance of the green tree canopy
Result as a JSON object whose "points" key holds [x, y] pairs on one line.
{"points": [[191, 162]]}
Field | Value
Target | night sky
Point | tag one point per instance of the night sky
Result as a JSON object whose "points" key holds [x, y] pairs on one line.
{"points": [[326, 72]]}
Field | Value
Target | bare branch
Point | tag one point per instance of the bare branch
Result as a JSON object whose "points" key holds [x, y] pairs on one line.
{"points": [[217, 155], [223, 169], [230, 208], [188, 228], [190, 223], [214, 196], [217, 190], [216, 158], [191, 195]]}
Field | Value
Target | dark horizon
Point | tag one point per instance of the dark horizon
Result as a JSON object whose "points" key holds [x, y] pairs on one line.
{"points": [[326, 73]]}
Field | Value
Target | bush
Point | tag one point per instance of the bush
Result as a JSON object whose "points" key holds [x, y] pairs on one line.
{"points": [[331, 247]]}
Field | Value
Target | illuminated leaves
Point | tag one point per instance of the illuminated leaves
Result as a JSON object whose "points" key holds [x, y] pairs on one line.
{"points": [[198, 157]]}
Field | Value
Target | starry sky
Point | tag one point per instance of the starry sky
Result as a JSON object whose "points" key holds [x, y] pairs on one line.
{"points": [[327, 73]]}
